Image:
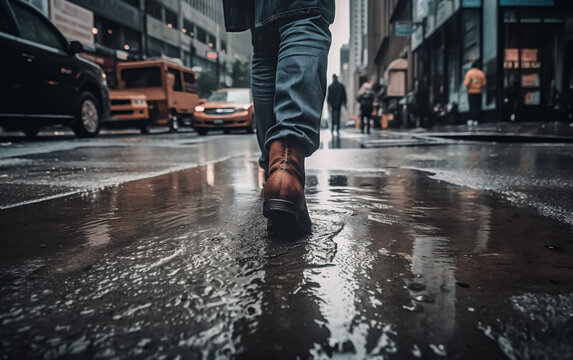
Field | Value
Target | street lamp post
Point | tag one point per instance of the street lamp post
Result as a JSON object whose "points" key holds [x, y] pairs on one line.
{"points": [[214, 55], [145, 47]]}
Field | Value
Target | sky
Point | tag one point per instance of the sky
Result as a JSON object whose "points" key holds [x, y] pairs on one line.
{"points": [[340, 35]]}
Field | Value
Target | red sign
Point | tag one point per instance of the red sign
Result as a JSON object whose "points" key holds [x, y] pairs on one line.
{"points": [[529, 59]]}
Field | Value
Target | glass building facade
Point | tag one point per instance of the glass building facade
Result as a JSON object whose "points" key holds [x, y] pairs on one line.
{"points": [[525, 47], [187, 30]]}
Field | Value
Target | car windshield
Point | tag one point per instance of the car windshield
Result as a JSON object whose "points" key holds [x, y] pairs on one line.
{"points": [[233, 96], [141, 77]]}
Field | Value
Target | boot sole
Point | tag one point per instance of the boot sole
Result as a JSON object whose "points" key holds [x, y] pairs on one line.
{"points": [[284, 216]]}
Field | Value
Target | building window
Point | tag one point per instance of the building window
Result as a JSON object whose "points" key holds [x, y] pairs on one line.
{"points": [[134, 3], [211, 41], [131, 41], [188, 28], [155, 47], [159, 48], [201, 35], [187, 58], [171, 19], [172, 51], [108, 33], [154, 9]]}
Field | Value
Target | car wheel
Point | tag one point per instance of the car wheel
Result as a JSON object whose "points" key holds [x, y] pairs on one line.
{"points": [[202, 132], [251, 128], [30, 130], [173, 124], [87, 122], [145, 128]]}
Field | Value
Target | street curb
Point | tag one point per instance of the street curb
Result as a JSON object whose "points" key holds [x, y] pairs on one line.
{"points": [[508, 138]]}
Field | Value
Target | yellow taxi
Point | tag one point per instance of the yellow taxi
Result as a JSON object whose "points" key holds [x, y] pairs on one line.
{"points": [[225, 109]]}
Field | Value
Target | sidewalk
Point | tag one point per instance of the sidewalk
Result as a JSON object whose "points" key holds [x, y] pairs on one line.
{"points": [[555, 131]]}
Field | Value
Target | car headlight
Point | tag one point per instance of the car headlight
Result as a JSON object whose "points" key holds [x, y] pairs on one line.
{"points": [[138, 102], [243, 108], [199, 108]]}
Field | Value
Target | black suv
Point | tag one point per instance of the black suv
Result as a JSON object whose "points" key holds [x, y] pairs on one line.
{"points": [[42, 79]]}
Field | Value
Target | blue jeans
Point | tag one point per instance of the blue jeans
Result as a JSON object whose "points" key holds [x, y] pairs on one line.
{"points": [[289, 81]]}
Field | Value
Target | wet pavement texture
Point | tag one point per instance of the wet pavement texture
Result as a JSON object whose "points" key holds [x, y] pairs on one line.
{"points": [[47, 169], [453, 250], [539, 131]]}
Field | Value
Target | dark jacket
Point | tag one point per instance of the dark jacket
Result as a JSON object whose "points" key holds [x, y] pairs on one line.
{"points": [[336, 95], [240, 15], [366, 101]]}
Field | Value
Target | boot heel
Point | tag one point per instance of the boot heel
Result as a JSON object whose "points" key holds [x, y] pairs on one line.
{"points": [[286, 217], [277, 208]]}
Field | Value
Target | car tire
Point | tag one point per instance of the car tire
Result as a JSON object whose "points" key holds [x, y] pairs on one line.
{"points": [[145, 128], [202, 132], [30, 130], [173, 124], [251, 128], [88, 120]]}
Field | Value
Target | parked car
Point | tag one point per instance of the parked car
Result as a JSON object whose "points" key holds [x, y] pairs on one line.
{"points": [[44, 81], [128, 110], [170, 90], [226, 109]]}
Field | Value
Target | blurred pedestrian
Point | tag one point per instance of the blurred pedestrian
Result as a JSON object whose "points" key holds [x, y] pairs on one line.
{"points": [[475, 82], [291, 39], [366, 100], [335, 98]]}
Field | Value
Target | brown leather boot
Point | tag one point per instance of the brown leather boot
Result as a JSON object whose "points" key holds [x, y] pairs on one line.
{"points": [[284, 202]]}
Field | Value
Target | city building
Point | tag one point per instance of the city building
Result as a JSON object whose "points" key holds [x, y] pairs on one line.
{"points": [[525, 48], [344, 64], [191, 31], [390, 57], [358, 50]]}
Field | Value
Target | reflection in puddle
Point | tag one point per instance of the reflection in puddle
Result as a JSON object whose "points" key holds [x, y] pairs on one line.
{"points": [[98, 235], [398, 266], [433, 267], [342, 290]]}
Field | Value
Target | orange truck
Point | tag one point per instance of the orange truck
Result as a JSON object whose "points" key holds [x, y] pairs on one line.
{"points": [[128, 110], [153, 92]]}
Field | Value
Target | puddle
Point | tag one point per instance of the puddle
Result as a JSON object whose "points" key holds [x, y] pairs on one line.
{"points": [[181, 264]]}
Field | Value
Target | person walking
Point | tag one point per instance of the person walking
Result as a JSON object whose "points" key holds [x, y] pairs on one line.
{"points": [[335, 98], [291, 40], [366, 100], [475, 82]]}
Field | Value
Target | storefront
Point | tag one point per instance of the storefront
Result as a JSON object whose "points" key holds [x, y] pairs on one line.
{"points": [[452, 50], [525, 48], [533, 44], [446, 44]]}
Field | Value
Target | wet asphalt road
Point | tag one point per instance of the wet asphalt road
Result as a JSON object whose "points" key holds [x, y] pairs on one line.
{"points": [[154, 247]]}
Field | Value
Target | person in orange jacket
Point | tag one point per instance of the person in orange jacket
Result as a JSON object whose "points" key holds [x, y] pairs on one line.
{"points": [[475, 82]]}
